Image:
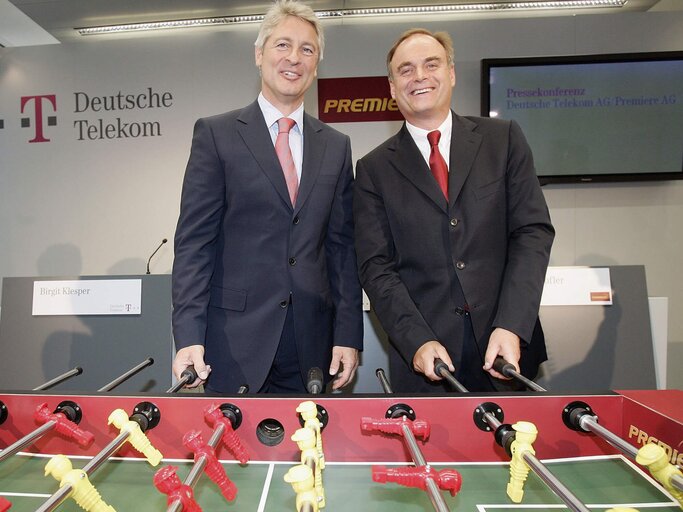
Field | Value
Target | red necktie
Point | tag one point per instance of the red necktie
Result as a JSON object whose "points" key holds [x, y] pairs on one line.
{"points": [[284, 154], [436, 162]]}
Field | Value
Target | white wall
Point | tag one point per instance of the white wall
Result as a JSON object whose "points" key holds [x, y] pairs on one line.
{"points": [[98, 207]]}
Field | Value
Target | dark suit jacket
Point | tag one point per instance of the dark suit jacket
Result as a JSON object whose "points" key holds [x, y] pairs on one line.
{"points": [[494, 236], [241, 249]]}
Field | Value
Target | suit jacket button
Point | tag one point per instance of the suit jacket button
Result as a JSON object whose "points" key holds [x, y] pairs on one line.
{"points": [[460, 265], [292, 261], [296, 220], [454, 222], [283, 303]]}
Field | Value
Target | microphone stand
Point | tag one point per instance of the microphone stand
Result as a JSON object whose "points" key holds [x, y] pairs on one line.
{"points": [[155, 251]]}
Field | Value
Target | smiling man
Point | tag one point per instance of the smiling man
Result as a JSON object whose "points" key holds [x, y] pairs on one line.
{"points": [[265, 283], [453, 234]]}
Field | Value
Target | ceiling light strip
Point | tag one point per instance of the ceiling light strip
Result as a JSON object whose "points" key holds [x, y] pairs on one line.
{"points": [[366, 12], [164, 25]]}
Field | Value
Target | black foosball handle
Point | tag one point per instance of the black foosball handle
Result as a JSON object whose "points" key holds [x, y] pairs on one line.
{"points": [[314, 381], [441, 368], [188, 376], [509, 370]]}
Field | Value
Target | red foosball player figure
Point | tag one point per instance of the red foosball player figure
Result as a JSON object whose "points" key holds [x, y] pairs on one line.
{"points": [[63, 425], [411, 476], [214, 416], [4, 504], [213, 468], [419, 428], [166, 480]]}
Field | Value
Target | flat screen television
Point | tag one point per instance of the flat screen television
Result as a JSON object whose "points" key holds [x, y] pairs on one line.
{"points": [[593, 118]]}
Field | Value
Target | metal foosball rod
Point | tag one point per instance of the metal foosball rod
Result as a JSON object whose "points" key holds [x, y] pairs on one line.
{"points": [[441, 368], [572, 502], [580, 417], [509, 370], [25, 441], [59, 379], [432, 489], [302, 480], [306, 440], [188, 376], [198, 467], [577, 414], [314, 381], [383, 381], [146, 415], [499, 364], [119, 380], [63, 492], [64, 420], [557, 486], [227, 413]]}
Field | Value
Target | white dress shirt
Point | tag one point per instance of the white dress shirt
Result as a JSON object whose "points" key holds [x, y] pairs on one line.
{"points": [[296, 134], [420, 137]]}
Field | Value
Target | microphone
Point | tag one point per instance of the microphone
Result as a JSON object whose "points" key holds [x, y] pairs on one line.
{"points": [[155, 251], [314, 383]]}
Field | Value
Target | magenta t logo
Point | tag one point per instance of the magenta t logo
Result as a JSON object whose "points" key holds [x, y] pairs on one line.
{"points": [[38, 119]]}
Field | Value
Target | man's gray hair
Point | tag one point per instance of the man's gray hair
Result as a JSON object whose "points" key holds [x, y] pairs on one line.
{"points": [[279, 11]]}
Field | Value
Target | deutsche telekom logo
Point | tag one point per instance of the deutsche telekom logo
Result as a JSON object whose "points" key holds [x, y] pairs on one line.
{"points": [[38, 118]]}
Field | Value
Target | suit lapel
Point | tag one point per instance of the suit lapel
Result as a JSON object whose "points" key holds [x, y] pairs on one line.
{"points": [[464, 147], [314, 149], [409, 162], [254, 132]]}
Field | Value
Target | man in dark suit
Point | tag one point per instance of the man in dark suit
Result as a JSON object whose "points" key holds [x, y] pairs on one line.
{"points": [[265, 283], [453, 260]]}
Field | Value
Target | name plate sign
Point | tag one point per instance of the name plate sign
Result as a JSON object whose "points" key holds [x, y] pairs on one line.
{"points": [[577, 286], [88, 297]]}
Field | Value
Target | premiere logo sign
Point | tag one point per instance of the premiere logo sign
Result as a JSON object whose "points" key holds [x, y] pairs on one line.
{"points": [[37, 103], [359, 99]]}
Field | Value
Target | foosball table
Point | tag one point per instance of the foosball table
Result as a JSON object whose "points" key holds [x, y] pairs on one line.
{"points": [[367, 464]]}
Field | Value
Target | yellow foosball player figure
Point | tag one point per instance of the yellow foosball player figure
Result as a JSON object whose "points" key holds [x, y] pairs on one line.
{"points": [[622, 509], [519, 470], [82, 491], [136, 436], [657, 461], [302, 481], [306, 441], [309, 413]]}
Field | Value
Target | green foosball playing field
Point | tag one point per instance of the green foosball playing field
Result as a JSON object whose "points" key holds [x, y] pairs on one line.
{"points": [[127, 485]]}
